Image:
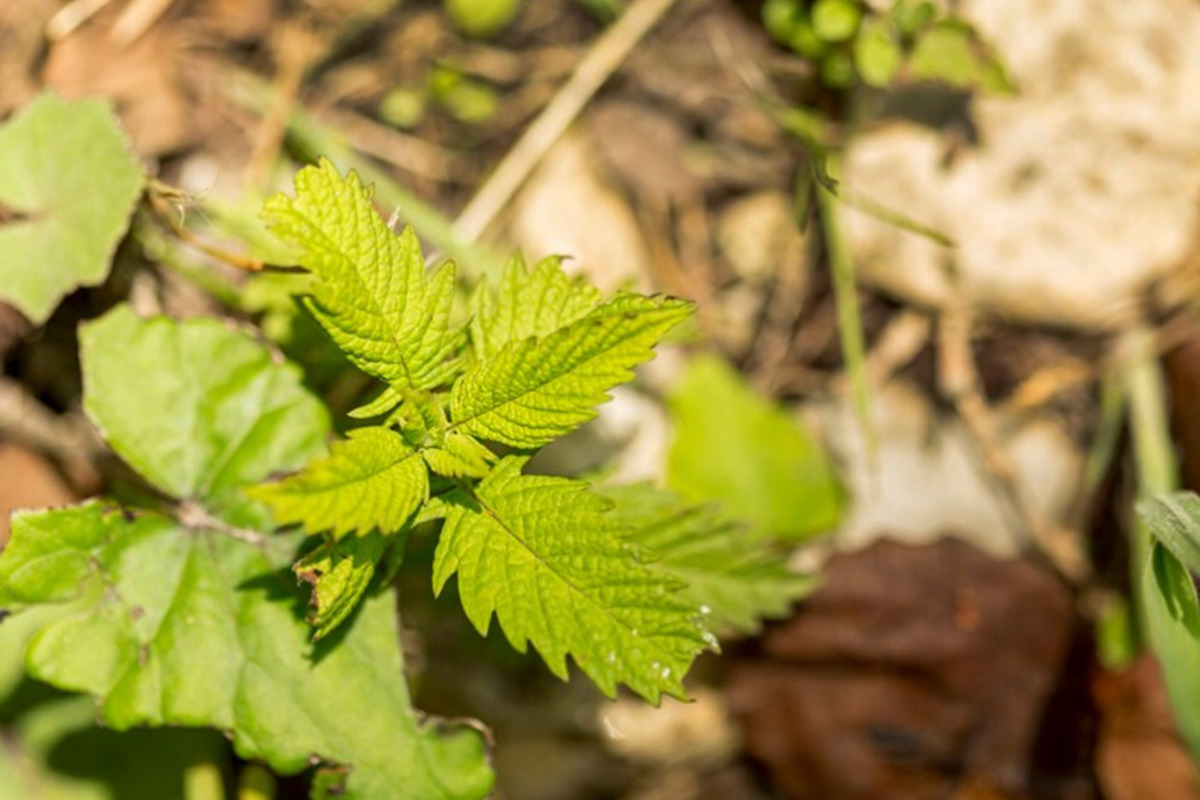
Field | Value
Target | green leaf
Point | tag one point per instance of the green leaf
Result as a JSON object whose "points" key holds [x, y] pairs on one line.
{"points": [[372, 480], [877, 54], [527, 303], [545, 557], [835, 20], [459, 456], [69, 185], [189, 626], [193, 621], [537, 389], [733, 579], [1174, 520], [952, 52], [372, 292], [339, 573], [1172, 617], [199, 410], [749, 455], [54, 752]]}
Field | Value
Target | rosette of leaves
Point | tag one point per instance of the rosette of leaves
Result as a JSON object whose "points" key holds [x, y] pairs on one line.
{"points": [[461, 408]]}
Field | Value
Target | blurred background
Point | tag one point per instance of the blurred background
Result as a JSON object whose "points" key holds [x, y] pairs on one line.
{"points": [[941, 253]]}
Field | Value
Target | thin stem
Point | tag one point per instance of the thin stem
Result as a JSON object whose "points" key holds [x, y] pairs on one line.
{"points": [[849, 318]]}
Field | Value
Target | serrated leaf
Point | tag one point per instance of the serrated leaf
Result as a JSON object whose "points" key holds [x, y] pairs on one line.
{"points": [[188, 626], [537, 389], [339, 573], [193, 621], [527, 303], [740, 450], [733, 579], [379, 405], [372, 292], [545, 557], [198, 409], [459, 456], [371, 480], [69, 185]]}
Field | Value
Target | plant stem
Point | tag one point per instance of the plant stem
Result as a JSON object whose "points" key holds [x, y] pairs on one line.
{"points": [[845, 292]]}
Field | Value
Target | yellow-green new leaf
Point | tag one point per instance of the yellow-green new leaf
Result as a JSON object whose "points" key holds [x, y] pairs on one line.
{"points": [[543, 554], [372, 480], [372, 292], [527, 303], [535, 390], [339, 573], [459, 456]]}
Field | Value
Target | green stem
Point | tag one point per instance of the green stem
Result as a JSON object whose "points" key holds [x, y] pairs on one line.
{"points": [[845, 292]]}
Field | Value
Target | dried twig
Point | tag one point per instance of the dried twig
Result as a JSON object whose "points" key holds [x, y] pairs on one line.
{"points": [[136, 19], [68, 18], [602, 59], [68, 438], [960, 383]]}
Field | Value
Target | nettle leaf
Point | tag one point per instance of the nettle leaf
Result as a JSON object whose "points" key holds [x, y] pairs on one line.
{"points": [[543, 554], [372, 480], [68, 187], [199, 410], [193, 621], [339, 573], [527, 303], [734, 579], [372, 292], [459, 456], [535, 390], [754, 458]]}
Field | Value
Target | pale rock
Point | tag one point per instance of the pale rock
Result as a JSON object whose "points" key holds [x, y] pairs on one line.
{"points": [[925, 479], [1082, 189], [567, 208]]}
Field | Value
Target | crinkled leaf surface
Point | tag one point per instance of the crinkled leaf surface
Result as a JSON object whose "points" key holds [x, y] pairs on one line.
{"points": [[69, 185], [371, 480], [199, 623], [742, 451], [198, 410], [527, 303], [544, 555], [733, 578], [535, 390], [340, 573], [372, 292], [459, 456]]}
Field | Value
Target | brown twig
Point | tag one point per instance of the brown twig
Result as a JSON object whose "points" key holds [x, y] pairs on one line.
{"points": [[600, 62], [68, 439], [959, 382], [167, 205]]}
